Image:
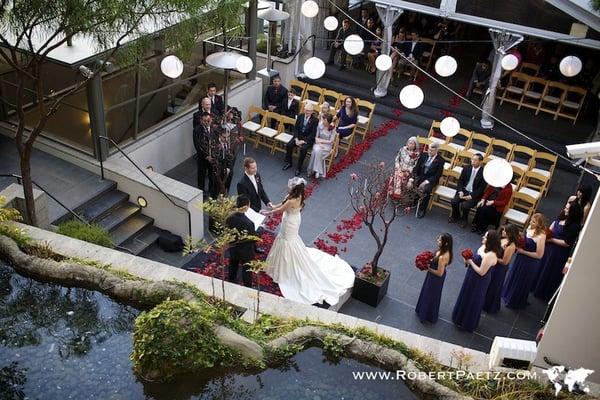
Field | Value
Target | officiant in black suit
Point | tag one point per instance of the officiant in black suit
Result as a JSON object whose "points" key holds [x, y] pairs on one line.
{"points": [[426, 175], [243, 251], [305, 132], [468, 191], [251, 186]]}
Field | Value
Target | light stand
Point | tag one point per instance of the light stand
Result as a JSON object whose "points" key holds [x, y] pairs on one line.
{"points": [[271, 15]]}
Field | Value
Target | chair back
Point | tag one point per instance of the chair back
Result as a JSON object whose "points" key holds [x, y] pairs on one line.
{"points": [[481, 143], [299, 87], [332, 97], [529, 68], [501, 149]]}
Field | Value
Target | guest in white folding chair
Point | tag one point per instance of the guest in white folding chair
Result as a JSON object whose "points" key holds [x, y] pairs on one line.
{"points": [[469, 191]]}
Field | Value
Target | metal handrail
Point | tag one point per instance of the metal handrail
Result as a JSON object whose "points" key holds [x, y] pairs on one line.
{"points": [[19, 179], [147, 177], [314, 37]]}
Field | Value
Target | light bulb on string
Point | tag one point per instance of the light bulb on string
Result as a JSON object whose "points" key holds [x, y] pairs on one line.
{"points": [[330, 23], [314, 68], [353, 44], [383, 62], [244, 64], [411, 96], [509, 62], [498, 173], [570, 66], [450, 126], [310, 9], [445, 66], [171, 66]]}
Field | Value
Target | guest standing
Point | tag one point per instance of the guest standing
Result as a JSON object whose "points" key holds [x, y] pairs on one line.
{"points": [[216, 101], [241, 251], [223, 161], [428, 305], [203, 142], [469, 304], [523, 271], [324, 141], [491, 207], [510, 236], [468, 192], [251, 185], [565, 231], [348, 116], [426, 175], [405, 161], [305, 131]]}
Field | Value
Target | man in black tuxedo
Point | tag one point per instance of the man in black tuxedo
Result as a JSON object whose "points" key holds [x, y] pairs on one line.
{"points": [[203, 142], [289, 106], [204, 106], [275, 95], [426, 175], [216, 101], [243, 251], [251, 185], [468, 191], [413, 50], [305, 132]]}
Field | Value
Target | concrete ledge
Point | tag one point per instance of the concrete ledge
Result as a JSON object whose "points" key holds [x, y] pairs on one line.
{"points": [[246, 298]]}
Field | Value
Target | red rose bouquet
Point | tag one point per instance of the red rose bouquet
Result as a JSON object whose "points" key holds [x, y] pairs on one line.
{"points": [[521, 241], [423, 260], [548, 234], [467, 254]]}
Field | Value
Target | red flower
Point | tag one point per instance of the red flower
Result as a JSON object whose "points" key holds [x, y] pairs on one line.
{"points": [[521, 242], [467, 254], [423, 260], [549, 234]]}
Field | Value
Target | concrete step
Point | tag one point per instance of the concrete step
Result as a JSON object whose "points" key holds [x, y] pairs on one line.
{"points": [[102, 187], [118, 216], [142, 240], [130, 228], [97, 209]]}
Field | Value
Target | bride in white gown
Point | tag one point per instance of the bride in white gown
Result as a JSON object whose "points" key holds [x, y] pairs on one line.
{"points": [[305, 275]]}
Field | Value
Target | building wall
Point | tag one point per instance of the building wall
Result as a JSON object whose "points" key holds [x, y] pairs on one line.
{"points": [[572, 334]]}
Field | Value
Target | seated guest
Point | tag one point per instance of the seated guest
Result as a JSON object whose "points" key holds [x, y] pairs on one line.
{"points": [[413, 51], [550, 70], [305, 131], [367, 35], [404, 163], [364, 17], [426, 175], [348, 116], [480, 78], [216, 101], [397, 44], [468, 191], [275, 95], [322, 148], [491, 207], [374, 50], [338, 44], [289, 106]]}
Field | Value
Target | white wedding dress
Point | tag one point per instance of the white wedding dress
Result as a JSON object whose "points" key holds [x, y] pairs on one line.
{"points": [[306, 275]]}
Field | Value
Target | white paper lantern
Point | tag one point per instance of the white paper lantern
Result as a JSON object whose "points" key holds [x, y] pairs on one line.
{"points": [[449, 126], [445, 66], [509, 62], [570, 66], [383, 62], [330, 23], [244, 64], [310, 9], [171, 66], [411, 96], [353, 44], [498, 172], [314, 68]]}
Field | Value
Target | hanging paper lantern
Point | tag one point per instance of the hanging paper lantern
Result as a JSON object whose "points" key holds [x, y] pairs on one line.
{"points": [[445, 66], [171, 66], [353, 44], [244, 64], [498, 172], [310, 9], [411, 96], [570, 66], [383, 62], [449, 126], [330, 23], [314, 68], [509, 62]]}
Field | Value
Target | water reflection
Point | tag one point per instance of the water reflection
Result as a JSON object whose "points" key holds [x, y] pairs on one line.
{"points": [[58, 343]]}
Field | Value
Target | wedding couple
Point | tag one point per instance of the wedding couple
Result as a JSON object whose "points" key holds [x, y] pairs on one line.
{"points": [[305, 275]]}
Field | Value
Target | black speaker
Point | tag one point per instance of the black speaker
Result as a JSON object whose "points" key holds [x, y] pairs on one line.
{"points": [[169, 242]]}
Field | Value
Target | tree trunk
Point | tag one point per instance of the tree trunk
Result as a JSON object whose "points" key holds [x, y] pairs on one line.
{"points": [[27, 184]]}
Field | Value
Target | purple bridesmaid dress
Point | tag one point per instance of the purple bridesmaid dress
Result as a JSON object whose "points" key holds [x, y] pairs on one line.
{"points": [[494, 292], [521, 276], [428, 305], [551, 265], [467, 310]]}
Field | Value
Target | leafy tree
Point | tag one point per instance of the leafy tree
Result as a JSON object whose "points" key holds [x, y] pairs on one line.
{"points": [[31, 29]]}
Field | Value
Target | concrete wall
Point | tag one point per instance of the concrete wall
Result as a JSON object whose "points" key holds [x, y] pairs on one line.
{"points": [[572, 334]]}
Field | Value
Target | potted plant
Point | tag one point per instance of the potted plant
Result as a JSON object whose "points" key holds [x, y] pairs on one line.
{"points": [[370, 198]]}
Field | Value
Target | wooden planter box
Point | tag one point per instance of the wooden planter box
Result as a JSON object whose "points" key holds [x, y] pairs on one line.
{"points": [[368, 292]]}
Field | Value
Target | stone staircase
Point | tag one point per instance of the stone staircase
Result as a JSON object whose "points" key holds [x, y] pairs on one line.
{"points": [[111, 209]]}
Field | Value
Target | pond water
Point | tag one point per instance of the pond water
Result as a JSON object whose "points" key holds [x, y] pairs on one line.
{"points": [[59, 343]]}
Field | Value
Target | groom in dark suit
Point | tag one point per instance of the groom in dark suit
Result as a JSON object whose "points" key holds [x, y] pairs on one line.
{"points": [[426, 175], [251, 185], [468, 191], [241, 252], [305, 132]]}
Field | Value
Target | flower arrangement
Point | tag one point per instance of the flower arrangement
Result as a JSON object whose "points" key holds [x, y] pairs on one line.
{"points": [[423, 260], [467, 254]]}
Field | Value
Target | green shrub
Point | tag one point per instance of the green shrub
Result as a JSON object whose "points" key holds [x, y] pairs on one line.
{"points": [[89, 233]]}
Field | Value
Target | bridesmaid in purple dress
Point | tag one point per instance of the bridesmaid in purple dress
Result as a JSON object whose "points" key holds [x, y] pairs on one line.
{"points": [[524, 269], [510, 236], [469, 304], [428, 305], [564, 234]]}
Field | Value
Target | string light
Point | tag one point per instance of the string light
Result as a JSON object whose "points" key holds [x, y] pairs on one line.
{"points": [[509, 62], [411, 96], [450, 126], [445, 66], [570, 66], [353, 44], [383, 62], [310, 9], [330, 23], [314, 68]]}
